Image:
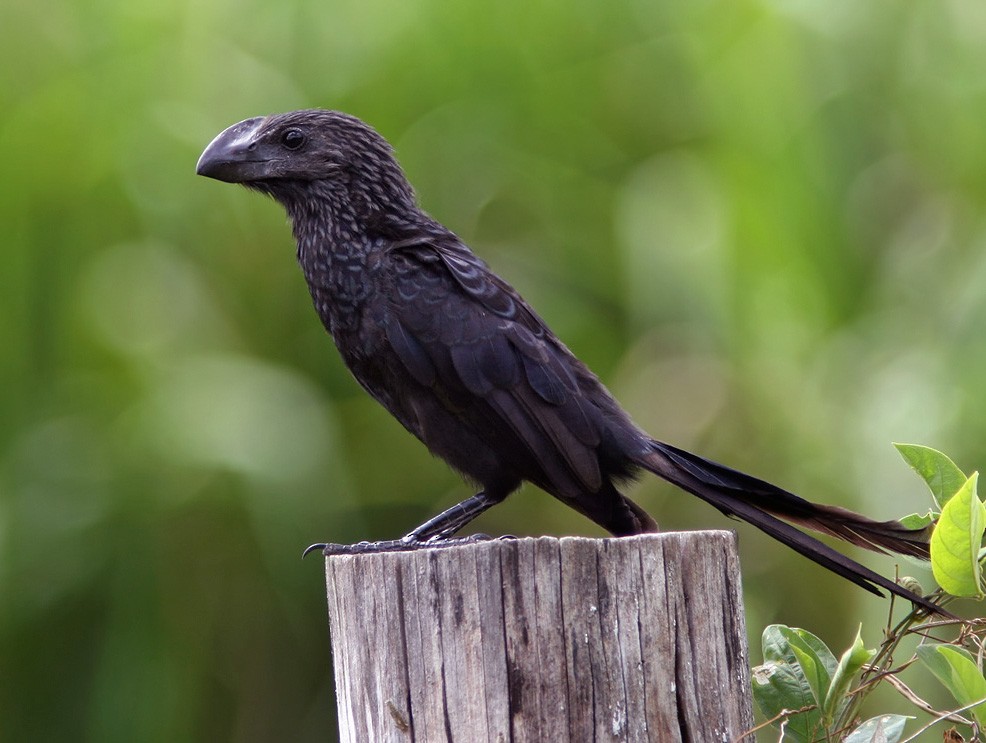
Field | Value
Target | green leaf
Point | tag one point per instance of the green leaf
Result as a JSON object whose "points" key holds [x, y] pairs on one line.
{"points": [[935, 661], [782, 682], [957, 670], [956, 541], [849, 665], [815, 659], [940, 472], [919, 521], [882, 729], [814, 673], [778, 687], [777, 640]]}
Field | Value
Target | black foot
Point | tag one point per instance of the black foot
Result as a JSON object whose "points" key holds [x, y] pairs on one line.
{"points": [[405, 544]]}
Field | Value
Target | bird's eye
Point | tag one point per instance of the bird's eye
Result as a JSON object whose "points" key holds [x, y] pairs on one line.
{"points": [[293, 139]]}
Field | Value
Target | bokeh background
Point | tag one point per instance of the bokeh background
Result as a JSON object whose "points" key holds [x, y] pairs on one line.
{"points": [[762, 222]]}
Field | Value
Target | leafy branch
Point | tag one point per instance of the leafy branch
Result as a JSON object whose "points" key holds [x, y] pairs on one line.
{"points": [[810, 696]]}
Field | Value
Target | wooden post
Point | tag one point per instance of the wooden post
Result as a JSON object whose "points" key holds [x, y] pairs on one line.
{"points": [[632, 639]]}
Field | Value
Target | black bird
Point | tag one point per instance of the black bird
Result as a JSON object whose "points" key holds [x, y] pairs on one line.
{"points": [[467, 366]]}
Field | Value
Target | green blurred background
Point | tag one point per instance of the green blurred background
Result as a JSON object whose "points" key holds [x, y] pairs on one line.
{"points": [[761, 222]]}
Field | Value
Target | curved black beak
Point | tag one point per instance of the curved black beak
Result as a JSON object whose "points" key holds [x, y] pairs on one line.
{"points": [[232, 156]]}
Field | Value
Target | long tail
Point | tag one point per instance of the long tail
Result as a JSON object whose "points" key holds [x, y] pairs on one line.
{"points": [[765, 505]]}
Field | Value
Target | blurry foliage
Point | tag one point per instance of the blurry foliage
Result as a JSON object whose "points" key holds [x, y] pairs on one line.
{"points": [[761, 222]]}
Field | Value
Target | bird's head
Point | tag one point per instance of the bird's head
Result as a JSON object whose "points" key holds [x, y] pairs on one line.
{"points": [[294, 156]]}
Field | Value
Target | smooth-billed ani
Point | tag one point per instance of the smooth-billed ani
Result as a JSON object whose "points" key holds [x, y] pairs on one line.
{"points": [[465, 364]]}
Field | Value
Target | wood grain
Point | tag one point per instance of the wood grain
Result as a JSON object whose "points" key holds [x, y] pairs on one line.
{"points": [[572, 639]]}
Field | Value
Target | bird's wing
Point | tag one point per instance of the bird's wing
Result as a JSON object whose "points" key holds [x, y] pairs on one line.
{"points": [[461, 330]]}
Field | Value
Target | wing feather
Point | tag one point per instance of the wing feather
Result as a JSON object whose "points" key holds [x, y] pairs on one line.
{"points": [[481, 345]]}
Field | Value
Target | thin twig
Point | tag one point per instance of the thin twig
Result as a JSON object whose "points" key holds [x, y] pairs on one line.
{"points": [[918, 702], [784, 713], [944, 716]]}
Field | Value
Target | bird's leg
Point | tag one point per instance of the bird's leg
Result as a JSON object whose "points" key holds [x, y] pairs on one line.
{"points": [[449, 521]]}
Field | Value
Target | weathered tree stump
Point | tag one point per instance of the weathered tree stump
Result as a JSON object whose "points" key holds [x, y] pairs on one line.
{"points": [[632, 639]]}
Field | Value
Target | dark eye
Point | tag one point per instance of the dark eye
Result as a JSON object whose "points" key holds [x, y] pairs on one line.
{"points": [[293, 139]]}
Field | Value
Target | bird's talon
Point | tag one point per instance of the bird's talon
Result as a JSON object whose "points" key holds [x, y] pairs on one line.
{"points": [[320, 546]]}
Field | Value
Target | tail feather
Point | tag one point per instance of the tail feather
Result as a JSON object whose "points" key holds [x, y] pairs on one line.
{"points": [[769, 508]]}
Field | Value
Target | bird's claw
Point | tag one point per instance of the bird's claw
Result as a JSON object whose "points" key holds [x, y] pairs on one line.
{"points": [[320, 546]]}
